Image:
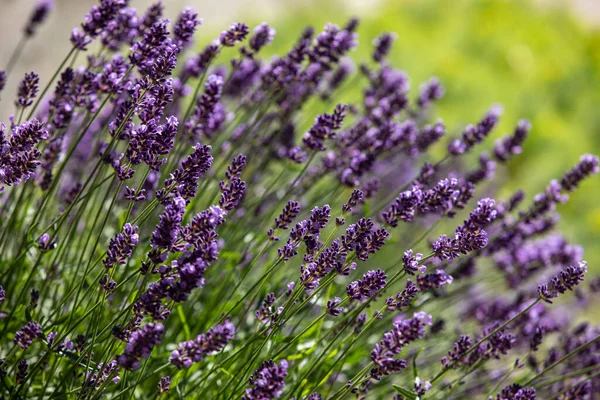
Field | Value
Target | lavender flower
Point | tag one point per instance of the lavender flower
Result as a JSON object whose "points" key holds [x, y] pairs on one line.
{"points": [[587, 166], [185, 179], [355, 198], [475, 134], [516, 392], [371, 283], [38, 15], [30, 332], [237, 32], [140, 345], [2, 80], [195, 350], [165, 235], [324, 128], [411, 262], [28, 89], [267, 381], [185, 26], [403, 298], [164, 384], [382, 45], [2, 295], [22, 371], [100, 16], [510, 146], [430, 91], [262, 36], [436, 280], [332, 307], [566, 279], [121, 246], [393, 341]]}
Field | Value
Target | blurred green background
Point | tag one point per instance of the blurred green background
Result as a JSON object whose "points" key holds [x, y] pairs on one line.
{"points": [[539, 61]]}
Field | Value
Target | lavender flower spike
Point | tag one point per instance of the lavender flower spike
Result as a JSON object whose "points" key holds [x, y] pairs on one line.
{"points": [[28, 89], [566, 279], [140, 345], [30, 332], [267, 381], [38, 15], [195, 350]]}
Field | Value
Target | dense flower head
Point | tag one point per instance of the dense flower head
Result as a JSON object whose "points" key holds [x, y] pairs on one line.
{"points": [[410, 262], [324, 128], [121, 246], [404, 333], [140, 345], [567, 279], [184, 27], [185, 178], [371, 283], [100, 16], [403, 299], [382, 45], [38, 15], [516, 392], [263, 35], [195, 350], [474, 134], [237, 32], [167, 230], [28, 89], [267, 381], [30, 332], [588, 165]]}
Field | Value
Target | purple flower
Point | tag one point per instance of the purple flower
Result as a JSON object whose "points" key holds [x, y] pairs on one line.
{"points": [[164, 384], [121, 246], [371, 283], [262, 36], [403, 298], [267, 381], [587, 166], [324, 128], [100, 16], [516, 392], [2, 295], [19, 156], [382, 44], [2, 80], [195, 350], [393, 341], [510, 146], [184, 28], [30, 332], [475, 134], [436, 280], [167, 230], [237, 32], [232, 193], [38, 15], [458, 352], [404, 207], [430, 91], [197, 64], [22, 371], [287, 216], [566, 279], [185, 179], [79, 39], [28, 89], [140, 345], [355, 198], [332, 307], [411, 262]]}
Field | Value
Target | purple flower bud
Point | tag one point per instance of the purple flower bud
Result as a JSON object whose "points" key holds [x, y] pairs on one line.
{"points": [[28, 89], [588, 166], [237, 32], [185, 27], [436, 280], [140, 345], [411, 262], [164, 384], [403, 298], [382, 44], [371, 283], [287, 216], [566, 279], [195, 350], [476, 134], [262, 36], [30, 332], [430, 91], [332, 307], [38, 15], [355, 198], [510, 146], [267, 381], [121, 246], [516, 392]]}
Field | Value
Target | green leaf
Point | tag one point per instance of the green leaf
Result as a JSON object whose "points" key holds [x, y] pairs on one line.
{"points": [[409, 394], [414, 363]]}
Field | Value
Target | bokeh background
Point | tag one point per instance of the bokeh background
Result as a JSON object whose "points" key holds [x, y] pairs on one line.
{"points": [[539, 59]]}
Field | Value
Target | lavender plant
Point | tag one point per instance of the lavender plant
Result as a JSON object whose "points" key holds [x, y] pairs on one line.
{"points": [[179, 224]]}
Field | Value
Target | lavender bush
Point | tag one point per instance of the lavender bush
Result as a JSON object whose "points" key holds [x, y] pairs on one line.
{"points": [[181, 224]]}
